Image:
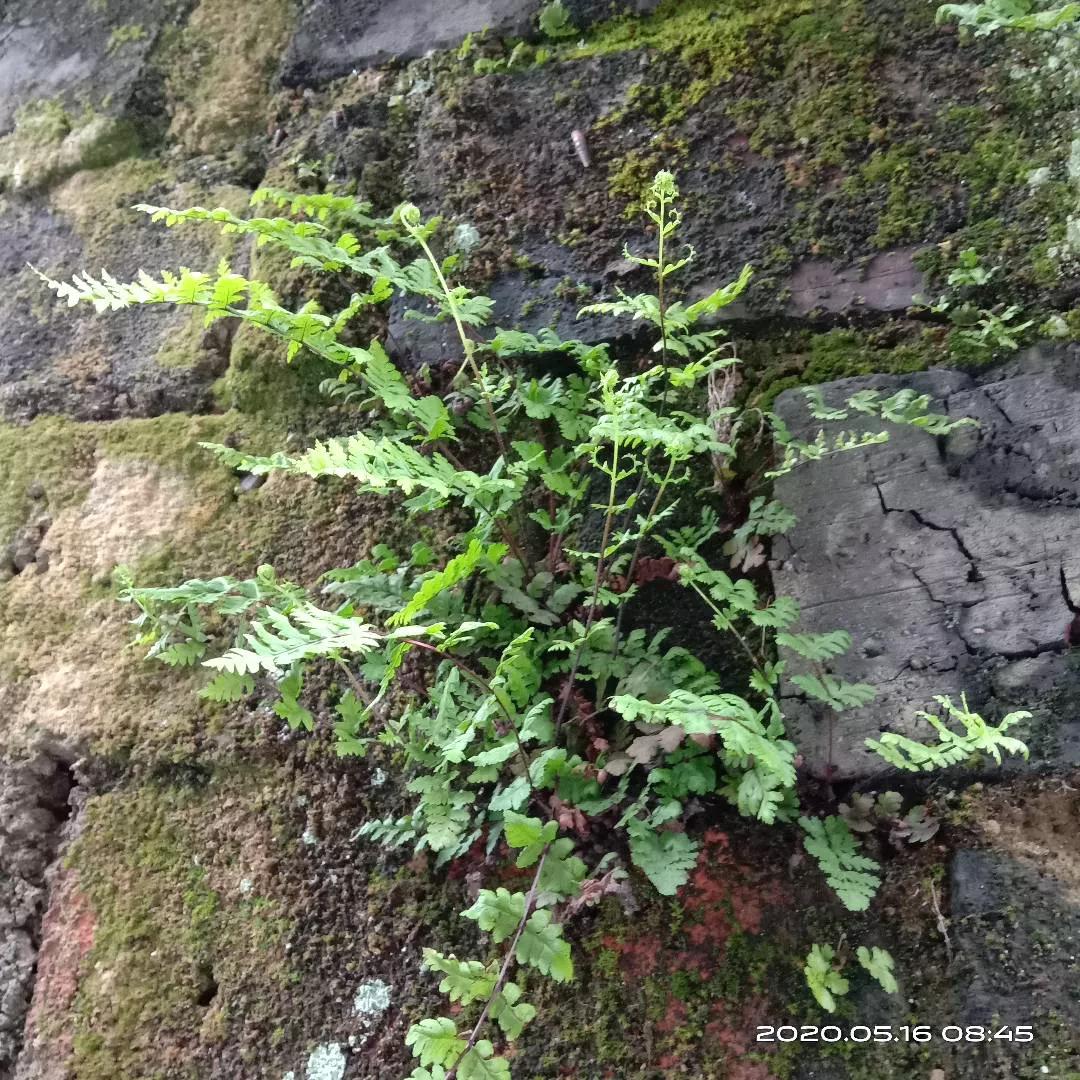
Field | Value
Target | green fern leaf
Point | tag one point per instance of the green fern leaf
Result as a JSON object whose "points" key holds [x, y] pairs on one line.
{"points": [[228, 686], [510, 1012], [183, 653], [835, 693], [825, 982], [563, 871], [455, 571], [499, 912], [951, 747], [530, 834], [281, 640], [666, 858], [465, 980], [850, 874], [816, 647], [542, 946], [435, 1041], [481, 1063], [879, 963]]}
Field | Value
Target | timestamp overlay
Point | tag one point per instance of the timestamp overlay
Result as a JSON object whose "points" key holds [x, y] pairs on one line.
{"points": [[894, 1033]]}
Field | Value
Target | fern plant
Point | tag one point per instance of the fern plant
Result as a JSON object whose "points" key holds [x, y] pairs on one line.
{"points": [[952, 748], [988, 16], [546, 708], [824, 968]]}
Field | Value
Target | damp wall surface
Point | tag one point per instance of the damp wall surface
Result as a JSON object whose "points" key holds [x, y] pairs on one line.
{"points": [[181, 893]]}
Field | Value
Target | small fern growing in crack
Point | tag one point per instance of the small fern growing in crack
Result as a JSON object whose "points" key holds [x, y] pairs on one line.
{"points": [[952, 747]]}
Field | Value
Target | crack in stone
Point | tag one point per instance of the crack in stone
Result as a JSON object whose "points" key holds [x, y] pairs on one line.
{"points": [[1065, 594], [950, 623], [973, 574], [926, 586], [997, 405], [1030, 654]]}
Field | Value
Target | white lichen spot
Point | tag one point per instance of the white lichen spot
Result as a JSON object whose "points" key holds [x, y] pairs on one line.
{"points": [[309, 837], [1037, 177], [1055, 327], [466, 237], [1072, 234], [326, 1063], [371, 1001]]}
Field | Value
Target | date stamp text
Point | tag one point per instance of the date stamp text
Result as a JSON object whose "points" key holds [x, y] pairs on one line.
{"points": [[901, 1033]]}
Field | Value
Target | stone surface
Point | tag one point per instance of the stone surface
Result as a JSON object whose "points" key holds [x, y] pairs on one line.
{"points": [[886, 284], [1015, 912], [335, 37], [67, 935], [33, 804], [55, 361], [951, 562], [57, 51]]}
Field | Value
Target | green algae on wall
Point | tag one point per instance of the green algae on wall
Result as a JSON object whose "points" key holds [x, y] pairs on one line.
{"points": [[51, 452], [219, 69], [877, 153], [804, 358], [49, 143], [178, 932]]}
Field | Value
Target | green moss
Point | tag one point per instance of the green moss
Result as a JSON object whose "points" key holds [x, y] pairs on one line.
{"points": [[630, 176], [49, 143], [717, 44], [994, 168], [125, 35], [807, 359], [99, 202], [183, 348], [908, 208], [260, 379], [167, 942], [51, 452], [215, 101]]}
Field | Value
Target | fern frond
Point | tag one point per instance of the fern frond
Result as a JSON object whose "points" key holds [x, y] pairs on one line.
{"points": [[319, 206], [666, 858], [277, 641], [456, 571], [824, 981], [952, 748], [379, 464], [739, 725], [850, 874], [835, 693]]}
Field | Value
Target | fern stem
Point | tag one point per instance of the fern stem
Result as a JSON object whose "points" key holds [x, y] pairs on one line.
{"points": [[530, 899], [633, 566], [467, 343], [609, 517], [357, 687], [755, 660], [468, 347], [661, 310]]}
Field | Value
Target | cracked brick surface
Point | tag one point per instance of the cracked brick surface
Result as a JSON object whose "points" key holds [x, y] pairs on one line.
{"points": [[952, 561]]}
